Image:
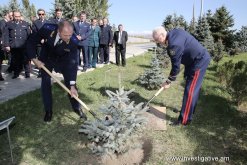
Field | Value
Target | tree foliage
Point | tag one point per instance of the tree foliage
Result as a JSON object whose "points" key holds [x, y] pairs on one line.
{"points": [[174, 21], [233, 76], [153, 77], [120, 128], [218, 52], [220, 23], [93, 8], [203, 34], [242, 39], [28, 10]]}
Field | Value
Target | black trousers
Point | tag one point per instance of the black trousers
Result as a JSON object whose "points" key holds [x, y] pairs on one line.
{"points": [[2, 56], [104, 53], [120, 50], [20, 60], [46, 84]]}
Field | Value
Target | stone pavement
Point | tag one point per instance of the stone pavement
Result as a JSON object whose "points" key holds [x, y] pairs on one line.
{"points": [[11, 88]]}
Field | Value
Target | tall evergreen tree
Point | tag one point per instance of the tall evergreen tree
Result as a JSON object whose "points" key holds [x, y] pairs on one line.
{"points": [[192, 27], [93, 8], [14, 5], [203, 34], [174, 21], [28, 10], [243, 39], [220, 24]]}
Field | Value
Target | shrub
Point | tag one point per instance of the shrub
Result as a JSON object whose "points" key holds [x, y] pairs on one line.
{"points": [[238, 83]]}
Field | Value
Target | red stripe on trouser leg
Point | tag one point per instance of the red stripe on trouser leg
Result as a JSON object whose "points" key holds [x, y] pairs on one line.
{"points": [[190, 95]]}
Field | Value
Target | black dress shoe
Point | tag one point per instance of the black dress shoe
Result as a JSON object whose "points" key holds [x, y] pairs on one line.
{"points": [[15, 76], [175, 123], [80, 113], [48, 116], [84, 70], [27, 76]]}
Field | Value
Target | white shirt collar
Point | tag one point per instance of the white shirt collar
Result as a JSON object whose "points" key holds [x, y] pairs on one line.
{"points": [[57, 38]]}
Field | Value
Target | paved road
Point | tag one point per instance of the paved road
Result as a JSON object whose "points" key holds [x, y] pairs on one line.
{"points": [[12, 88]]}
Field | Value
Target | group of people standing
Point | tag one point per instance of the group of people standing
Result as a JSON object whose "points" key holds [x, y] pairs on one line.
{"points": [[95, 39], [58, 44]]}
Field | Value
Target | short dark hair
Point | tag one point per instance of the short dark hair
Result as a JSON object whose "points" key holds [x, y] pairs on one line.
{"points": [[40, 10], [94, 19], [83, 12], [58, 9]]}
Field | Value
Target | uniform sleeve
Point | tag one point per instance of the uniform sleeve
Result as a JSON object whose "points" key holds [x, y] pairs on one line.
{"points": [[175, 53], [73, 65], [126, 39], [88, 32], [110, 35], [35, 39], [115, 37], [34, 28], [6, 36]]}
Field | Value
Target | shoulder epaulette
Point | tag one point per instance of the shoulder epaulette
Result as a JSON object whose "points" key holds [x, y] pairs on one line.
{"points": [[50, 26]]}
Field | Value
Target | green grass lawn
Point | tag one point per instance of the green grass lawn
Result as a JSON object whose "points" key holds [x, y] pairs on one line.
{"points": [[218, 128]]}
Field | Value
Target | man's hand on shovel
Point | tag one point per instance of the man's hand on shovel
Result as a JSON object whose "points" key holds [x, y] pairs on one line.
{"points": [[73, 91], [165, 85]]}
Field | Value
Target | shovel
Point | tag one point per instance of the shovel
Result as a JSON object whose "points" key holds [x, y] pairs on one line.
{"points": [[156, 94], [67, 90]]}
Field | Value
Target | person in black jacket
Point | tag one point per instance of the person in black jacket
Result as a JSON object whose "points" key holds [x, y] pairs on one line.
{"points": [[120, 38], [37, 24], [58, 16], [105, 41], [15, 37], [3, 23], [59, 53]]}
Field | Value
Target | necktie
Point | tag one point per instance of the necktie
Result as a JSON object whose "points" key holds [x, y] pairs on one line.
{"points": [[59, 42]]}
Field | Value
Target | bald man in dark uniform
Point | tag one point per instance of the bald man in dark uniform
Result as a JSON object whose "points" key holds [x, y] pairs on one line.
{"points": [[59, 53]]}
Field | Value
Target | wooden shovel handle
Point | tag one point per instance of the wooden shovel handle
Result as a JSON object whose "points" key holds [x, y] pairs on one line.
{"points": [[64, 87], [160, 90]]}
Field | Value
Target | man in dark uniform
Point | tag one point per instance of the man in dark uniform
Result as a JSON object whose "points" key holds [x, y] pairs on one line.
{"points": [[58, 16], [105, 41], [59, 52], [82, 30], [15, 37], [3, 23], [120, 37], [183, 48], [37, 24]]}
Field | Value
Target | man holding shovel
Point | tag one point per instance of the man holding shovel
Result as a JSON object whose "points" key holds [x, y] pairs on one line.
{"points": [[183, 48], [59, 52]]}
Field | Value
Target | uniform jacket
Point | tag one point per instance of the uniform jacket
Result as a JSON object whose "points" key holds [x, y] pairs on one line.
{"points": [[15, 35], [3, 23], [37, 24], [124, 37], [55, 20], [93, 40], [61, 55], [106, 35], [183, 48], [82, 30]]}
